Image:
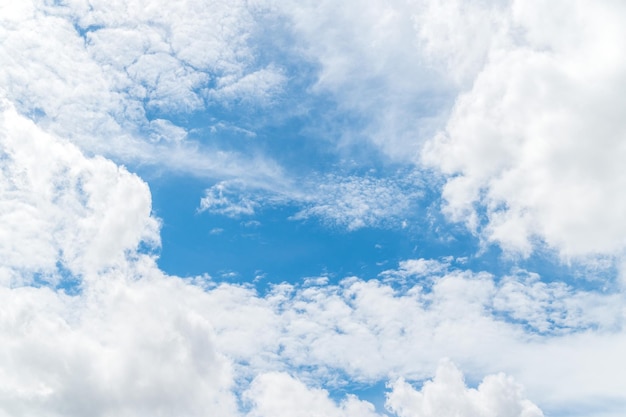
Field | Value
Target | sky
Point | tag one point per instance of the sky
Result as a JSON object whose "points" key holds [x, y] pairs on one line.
{"points": [[259, 208]]}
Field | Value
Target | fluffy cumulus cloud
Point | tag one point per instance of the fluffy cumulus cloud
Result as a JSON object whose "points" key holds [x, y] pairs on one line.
{"points": [[534, 147], [61, 210], [93, 352], [136, 342], [447, 396], [278, 394], [121, 348]]}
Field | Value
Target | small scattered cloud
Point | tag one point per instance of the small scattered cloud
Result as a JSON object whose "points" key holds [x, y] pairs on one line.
{"points": [[251, 224], [356, 202], [348, 202], [220, 199]]}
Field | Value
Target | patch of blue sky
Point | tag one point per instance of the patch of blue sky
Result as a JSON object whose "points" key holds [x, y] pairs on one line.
{"points": [[61, 278], [271, 247], [373, 393], [271, 244], [268, 244]]}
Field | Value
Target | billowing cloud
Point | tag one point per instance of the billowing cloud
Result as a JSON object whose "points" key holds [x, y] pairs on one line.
{"points": [[537, 143], [119, 345], [63, 210], [278, 394], [134, 341], [120, 348], [447, 396]]}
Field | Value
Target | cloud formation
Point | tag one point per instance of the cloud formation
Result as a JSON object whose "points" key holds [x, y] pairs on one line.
{"points": [[61, 210], [114, 78], [215, 344], [278, 394], [517, 104], [447, 396], [350, 202], [536, 143]]}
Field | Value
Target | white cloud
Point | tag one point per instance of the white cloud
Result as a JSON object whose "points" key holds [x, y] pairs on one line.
{"points": [[541, 80], [278, 394], [555, 307], [120, 348], [356, 202], [59, 206], [370, 63], [370, 329], [446, 395], [537, 142], [262, 85], [417, 268], [219, 199], [107, 76], [351, 202]]}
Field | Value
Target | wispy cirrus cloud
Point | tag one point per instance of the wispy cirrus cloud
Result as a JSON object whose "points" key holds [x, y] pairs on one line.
{"points": [[350, 202]]}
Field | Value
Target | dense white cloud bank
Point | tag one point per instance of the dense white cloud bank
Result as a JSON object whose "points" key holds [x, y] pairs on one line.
{"points": [[135, 342], [537, 142], [62, 210]]}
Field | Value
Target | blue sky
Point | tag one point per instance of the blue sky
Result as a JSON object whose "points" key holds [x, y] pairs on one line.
{"points": [[298, 208]]}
